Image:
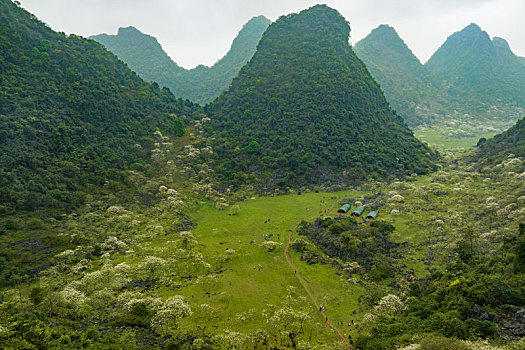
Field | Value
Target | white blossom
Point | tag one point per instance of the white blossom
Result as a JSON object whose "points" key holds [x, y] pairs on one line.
{"points": [[270, 246]]}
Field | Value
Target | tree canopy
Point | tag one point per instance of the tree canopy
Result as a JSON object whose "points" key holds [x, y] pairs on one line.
{"points": [[71, 113]]}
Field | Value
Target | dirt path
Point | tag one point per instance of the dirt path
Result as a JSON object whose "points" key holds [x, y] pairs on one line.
{"points": [[300, 278]]}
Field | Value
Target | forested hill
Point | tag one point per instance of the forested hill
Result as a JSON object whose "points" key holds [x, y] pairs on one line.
{"points": [[201, 84], [479, 69], [306, 110], [71, 113], [144, 55], [511, 142], [407, 85], [470, 80]]}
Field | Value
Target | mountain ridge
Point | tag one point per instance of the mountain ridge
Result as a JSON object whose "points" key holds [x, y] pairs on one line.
{"points": [[479, 68], [285, 116], [201, 84], [471, 79], [406, 83]]}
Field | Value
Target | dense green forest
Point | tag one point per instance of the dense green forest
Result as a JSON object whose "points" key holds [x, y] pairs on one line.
{"points": [[72, 114], [202, 84], [510, 143], [305, 110]]}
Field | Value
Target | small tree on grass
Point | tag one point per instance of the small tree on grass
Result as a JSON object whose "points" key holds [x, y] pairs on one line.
{"points": [[234, 210], [151, 269], [187, 239], [174, 308], [270, 246]]}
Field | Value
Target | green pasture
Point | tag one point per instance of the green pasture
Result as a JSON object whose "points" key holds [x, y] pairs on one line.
{"points": [[243, 289], [244, 286], [444, 142]]}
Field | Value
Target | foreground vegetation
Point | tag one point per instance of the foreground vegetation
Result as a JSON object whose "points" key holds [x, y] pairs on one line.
{"points": [[174, 263]]}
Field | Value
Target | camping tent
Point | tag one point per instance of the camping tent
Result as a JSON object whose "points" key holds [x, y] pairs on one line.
{"points": [[344, 209], [372, 215], [358, 211]]}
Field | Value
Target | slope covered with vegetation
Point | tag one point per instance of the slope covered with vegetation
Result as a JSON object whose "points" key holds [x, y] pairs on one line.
{"points": [[471, 87], [408, 86], [158, 257], [510, 143], [202, 84], [305, 110], [145, 56], [480, 72], [72, 114]]}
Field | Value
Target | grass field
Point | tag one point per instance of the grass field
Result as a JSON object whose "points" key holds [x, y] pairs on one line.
{"points": [[259, 288], [242, 295], [444, 142]]}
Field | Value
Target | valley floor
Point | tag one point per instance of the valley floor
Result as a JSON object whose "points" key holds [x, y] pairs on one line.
{"points": [[128, 262]]}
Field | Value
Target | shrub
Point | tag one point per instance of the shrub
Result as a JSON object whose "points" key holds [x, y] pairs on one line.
{"points": [[234, 210], [437, 342], [271, 245]]}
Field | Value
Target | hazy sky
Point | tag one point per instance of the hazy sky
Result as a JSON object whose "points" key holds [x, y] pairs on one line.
{"points": [[201, 31]]}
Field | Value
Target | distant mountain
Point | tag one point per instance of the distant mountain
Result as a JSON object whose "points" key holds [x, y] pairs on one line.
{"points": [[305, 110], [72, 114], [471, 79], [407, 84], [144, 55], [477, 72]]}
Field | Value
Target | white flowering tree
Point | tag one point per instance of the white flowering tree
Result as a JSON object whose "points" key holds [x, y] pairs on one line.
{"points": [[173, 309], [389, 305], [230, 340], [187, 239], [150, 270]]}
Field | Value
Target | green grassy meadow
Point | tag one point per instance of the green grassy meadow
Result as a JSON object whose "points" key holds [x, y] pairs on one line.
{"points": [[444, 142], [218, 232], [242, 288]]}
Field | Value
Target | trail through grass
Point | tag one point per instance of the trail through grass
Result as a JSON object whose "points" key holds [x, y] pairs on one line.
{"points": [[299, 277], [242, 285]]}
